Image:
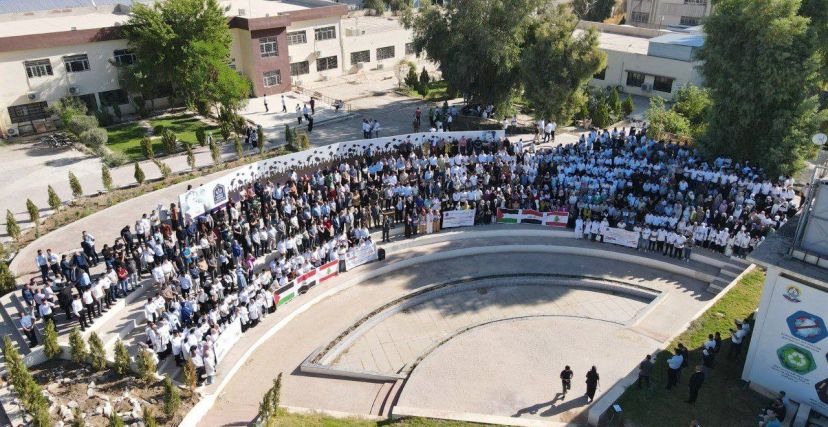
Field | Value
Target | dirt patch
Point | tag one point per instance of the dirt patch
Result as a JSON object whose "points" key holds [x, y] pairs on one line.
{"points": [[98, 394]]}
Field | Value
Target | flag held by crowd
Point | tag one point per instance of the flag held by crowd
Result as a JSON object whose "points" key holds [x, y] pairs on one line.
{"points": [[529, 216]]}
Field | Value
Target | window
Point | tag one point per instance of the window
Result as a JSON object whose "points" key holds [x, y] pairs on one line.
{"points": [[642, 17], [601, 75], [361, 56], [39, 68], [635, 78], [113, 97], [268, 47], [76, 63], [385, 53], [409, 49], [702, 2], [299, 68], [272, 78], [27, 112], [89, 100], [663, 84], [329, 63], [324, 33], [124, 57], [297, 37], [690, 21]]}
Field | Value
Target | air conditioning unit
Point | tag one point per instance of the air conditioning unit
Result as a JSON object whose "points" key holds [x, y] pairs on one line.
{"points": [[12, 131], [317, 53], [360, 65], [646, 87], [32, 96], [74, 90], [380, 66], [242, 12]]}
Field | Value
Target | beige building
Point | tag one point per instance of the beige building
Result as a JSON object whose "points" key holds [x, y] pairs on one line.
{"points": [[51, 49], [647, 62], [663, 14]]}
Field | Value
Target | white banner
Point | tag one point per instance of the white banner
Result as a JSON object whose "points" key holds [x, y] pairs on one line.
{"points": [[619, 236], [461, 218], [360, 255], [791, 341], [227, 339], [216, 193]]}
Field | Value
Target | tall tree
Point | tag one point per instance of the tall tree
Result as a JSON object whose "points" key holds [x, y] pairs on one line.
{"points": [[477, 44], [760, 64], [557, 64], [817, 10], [185, 44]]}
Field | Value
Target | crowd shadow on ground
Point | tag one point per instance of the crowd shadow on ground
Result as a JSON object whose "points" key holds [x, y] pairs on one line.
{"points": [[553, 407]]}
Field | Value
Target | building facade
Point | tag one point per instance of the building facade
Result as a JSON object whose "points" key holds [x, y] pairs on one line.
{"points": [[49, 54], [663, 14]]}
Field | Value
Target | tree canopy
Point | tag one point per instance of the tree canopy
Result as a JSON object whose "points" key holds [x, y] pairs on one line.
{"points": [[184, 44], [760, 65], [556, 64]]}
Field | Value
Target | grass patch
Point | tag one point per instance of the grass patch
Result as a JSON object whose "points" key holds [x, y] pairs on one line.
{"points": [[126, 138], [437, 91], [286, 419], [722, 401]]}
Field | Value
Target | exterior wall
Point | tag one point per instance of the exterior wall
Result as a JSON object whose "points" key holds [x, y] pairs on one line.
{"points": [[313, 50], [355, 41], [619, 63], [258, 65], [16, 85], [664, 13]]}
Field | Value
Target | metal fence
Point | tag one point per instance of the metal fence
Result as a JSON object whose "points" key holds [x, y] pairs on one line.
{"points": [[326, 99]]}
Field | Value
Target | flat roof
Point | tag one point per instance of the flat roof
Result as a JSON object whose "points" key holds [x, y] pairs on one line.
{"points": [[773, 252], [264, 8], [60, 23], [372, 24], [623, 43], [680, 39]]}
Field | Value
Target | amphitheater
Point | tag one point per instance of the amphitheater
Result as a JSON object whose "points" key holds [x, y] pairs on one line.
{"points": [[470, 324]]}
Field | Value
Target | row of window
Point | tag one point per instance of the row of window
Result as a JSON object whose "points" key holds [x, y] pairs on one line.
{"points": [[319, 34], [37, 110], [387, 52], [644, 17], [660, 83], [74, 63]]}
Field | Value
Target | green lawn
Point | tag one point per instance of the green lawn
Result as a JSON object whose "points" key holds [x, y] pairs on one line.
{"points": [[284, 419], [436, 91], [126, 138], [722, 401]]}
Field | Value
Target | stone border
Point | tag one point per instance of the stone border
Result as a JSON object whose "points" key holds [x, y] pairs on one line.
{"points": [[193, 418]]}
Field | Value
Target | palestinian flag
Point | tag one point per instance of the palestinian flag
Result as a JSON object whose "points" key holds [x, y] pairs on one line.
{"points": [[519, 216], [508, 216], [284, 294], [326, 271]]}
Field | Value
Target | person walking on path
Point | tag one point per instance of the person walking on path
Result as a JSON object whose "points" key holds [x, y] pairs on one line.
{"points": [[284, 106], [313, 105], [566, 380], [267, 110], [299, 113], [592, 380], [696, 381], [645, 369], [386, 229]]}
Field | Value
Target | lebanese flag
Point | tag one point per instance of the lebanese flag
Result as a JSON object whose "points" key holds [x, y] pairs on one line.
{"points": [[326, 271]]}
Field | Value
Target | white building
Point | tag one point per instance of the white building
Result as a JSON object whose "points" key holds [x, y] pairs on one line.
{"points": [[789, 344], [667, 13], [51, 49]]}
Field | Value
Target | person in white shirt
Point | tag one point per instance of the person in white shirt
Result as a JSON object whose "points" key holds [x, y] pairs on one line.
{"points": [[80, 313], [736, 339]]}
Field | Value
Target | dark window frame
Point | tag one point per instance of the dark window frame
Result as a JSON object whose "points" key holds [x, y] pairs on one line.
{"points": [[39, 68], [28, 112], [329, 62], [660, 82], [633, 80], [297, 37], [324, 33], [357, 57], [382, 52], [300, 68], [268, 47], [123, 57], [270, 74], [76, 63]]}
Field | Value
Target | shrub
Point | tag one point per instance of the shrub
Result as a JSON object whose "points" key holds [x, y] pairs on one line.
{"points": [[191, 161], [113, 159], [172, 397], [104, 117], [75, 184], [602, 118], [627, 107], [163, 168], [201, 136], [146, 148], [12, 228], [215, 153], [663, 121], [260, 134], [81, 123], [145, 365], [7, 281], [54, 200], [614, 102], [77, 418], [302, 141], [116, 109], [94, 137], [288, 135], [50, 342], [34, 211], [97, 353], [121, 364], [77, 346], [190, 376], [158, 130], [169, 139], [106, 178], [238, 146], [411, 79], [139, 174], [424, 78], [115, 420], [148, 418]]}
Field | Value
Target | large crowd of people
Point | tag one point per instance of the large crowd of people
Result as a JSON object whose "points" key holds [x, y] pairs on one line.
{"points": [[225, 265]]}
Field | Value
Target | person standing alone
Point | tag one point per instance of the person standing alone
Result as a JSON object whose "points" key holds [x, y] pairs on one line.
{"points": [[592, 379], [566, 380], [696, 381]]}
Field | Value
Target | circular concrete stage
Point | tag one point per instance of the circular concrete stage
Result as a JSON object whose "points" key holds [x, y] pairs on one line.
{"points": [[510, 368]]}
